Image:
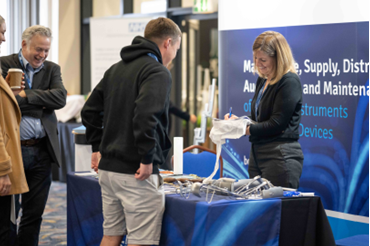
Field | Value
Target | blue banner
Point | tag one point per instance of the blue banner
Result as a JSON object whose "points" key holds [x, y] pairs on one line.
{"points": [[332, 61]]}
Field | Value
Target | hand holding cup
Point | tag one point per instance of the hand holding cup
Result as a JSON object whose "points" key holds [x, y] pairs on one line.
{"points": [[15, 79]]}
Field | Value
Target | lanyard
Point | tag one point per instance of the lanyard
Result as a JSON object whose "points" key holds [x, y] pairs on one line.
{"points": [[259, 97], [154, 56], [24, 69]]}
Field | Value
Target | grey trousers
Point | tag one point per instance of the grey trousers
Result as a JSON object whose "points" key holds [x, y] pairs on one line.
{"points": [[279, 162]]}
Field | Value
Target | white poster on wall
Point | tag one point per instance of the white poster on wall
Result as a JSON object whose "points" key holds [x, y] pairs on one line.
{"points": [[108, 36]]}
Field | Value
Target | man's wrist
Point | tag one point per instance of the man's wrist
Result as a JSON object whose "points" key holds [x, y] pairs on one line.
{"points": [[147, 160]]}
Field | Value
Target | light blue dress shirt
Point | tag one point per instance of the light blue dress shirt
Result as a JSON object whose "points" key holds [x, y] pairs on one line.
{"points": [[31, 127]]}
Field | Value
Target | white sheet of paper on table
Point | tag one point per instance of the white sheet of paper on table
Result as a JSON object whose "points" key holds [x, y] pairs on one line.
{"points": [[92, 173]]}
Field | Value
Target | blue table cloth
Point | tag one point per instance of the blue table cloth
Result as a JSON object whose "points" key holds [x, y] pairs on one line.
{"points": [[358, 240], [194, 222], [224, 221], [84, 211], [185, 222]]}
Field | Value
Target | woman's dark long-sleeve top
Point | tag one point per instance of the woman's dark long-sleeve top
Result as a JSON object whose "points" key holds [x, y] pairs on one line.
{"points": [[279, 110]]}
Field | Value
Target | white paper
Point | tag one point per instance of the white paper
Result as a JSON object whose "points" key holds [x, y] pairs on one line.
{"points": [[226, 129], [12, 211], [178, 155], [82, 157], [91, 173]]}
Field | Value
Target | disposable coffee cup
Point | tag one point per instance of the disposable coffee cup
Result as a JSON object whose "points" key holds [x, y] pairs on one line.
{"points": [[15, 78]]}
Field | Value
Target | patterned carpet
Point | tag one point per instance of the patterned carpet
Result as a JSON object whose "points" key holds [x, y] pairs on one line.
{"points": [[54, 224]]}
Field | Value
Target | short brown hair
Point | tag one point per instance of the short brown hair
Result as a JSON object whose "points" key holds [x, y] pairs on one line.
{"points": [[162, 28], [275, 45]]}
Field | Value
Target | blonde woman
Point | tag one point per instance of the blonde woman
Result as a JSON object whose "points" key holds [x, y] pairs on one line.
{"points": [[12, 177], [276, 107]]}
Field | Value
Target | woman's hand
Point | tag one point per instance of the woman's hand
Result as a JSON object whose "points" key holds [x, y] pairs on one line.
{"points": [[16, 91], [5, 185], [226, 117], [7, 79]]}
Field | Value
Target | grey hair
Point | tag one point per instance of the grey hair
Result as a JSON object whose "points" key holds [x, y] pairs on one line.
{"points": [[2, 20], [36, 30]]}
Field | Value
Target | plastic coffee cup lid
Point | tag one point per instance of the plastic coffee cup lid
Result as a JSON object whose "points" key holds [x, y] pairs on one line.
{"points": [[15, 70]]}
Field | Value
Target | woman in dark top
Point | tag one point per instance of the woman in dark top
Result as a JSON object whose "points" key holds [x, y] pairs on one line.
{"points": [[275, 154]]}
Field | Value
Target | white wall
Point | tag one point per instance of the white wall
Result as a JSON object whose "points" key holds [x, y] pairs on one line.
{"points": [[187, 3], [102, 8], [241, 14], [152, 7], [69, 45], [137, 5], [49, 17]]}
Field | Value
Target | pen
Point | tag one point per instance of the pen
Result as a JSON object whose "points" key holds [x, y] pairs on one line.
{"points": [[231, 108]]}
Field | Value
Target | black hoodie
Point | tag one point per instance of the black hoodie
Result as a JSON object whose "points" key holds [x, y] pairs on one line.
{"points": [[134, 96]]}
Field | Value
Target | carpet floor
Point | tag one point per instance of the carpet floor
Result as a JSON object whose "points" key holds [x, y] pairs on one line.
{"points": [[54, 223]]}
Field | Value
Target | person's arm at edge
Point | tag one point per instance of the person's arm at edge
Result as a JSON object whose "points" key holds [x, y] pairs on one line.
{"points": [[5, 160], [178, 112], [5, 166], [93, 121]]}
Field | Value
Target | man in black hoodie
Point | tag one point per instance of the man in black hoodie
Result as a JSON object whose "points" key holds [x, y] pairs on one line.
{"points": [[126, 119]]}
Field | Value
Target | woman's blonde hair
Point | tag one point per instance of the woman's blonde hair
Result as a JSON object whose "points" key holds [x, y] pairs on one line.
{"points": [[2, 20], [274, 45]]}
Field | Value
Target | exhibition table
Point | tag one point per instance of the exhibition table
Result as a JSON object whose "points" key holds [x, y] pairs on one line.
{"points": [[193, 221]]}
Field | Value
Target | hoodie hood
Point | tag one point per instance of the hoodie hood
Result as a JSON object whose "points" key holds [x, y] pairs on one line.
{"points": [[140, 46]]}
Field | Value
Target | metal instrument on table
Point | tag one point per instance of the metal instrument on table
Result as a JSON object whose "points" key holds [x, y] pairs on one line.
{"points": [[184, 188], [257, 188]]}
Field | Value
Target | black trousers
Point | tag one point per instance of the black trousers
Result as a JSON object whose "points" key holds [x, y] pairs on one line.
{"points": [[37, 167], [8, 230], [279, 162]]}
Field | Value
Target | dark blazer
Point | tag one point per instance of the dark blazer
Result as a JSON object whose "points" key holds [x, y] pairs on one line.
{"points": [[46, 95]]}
